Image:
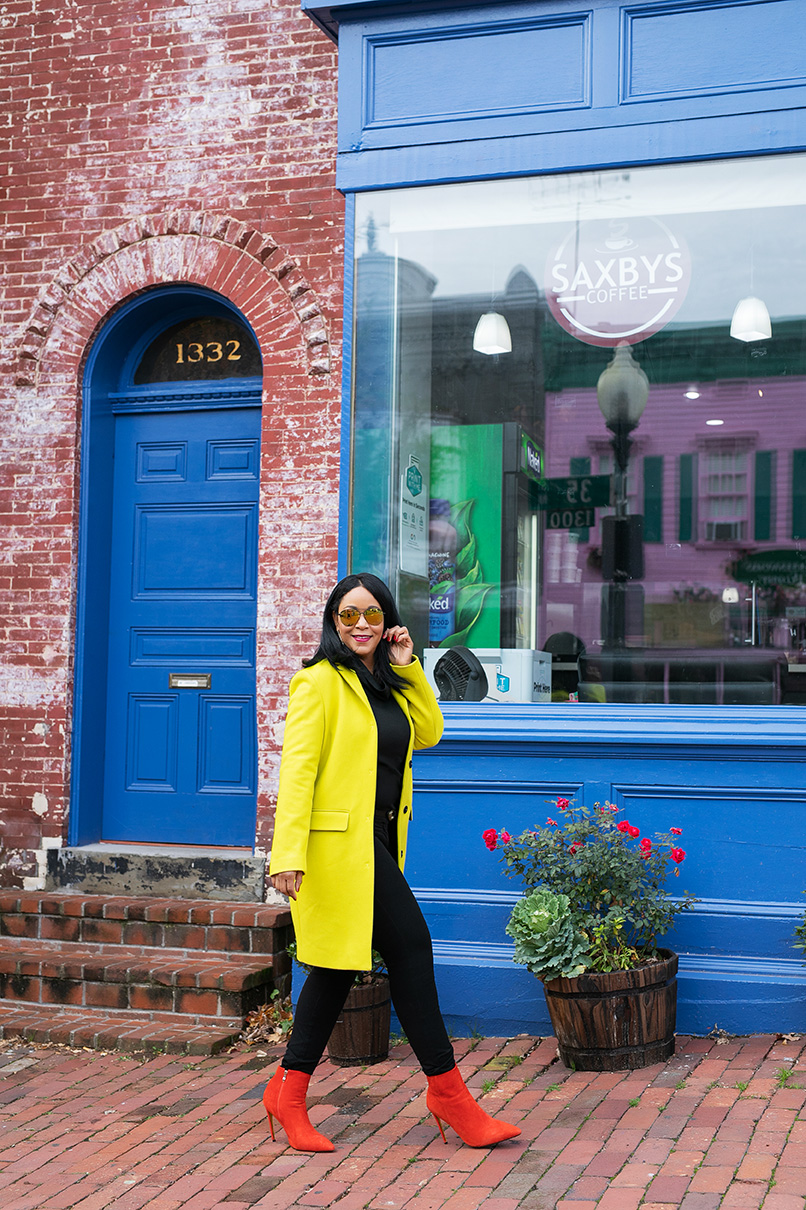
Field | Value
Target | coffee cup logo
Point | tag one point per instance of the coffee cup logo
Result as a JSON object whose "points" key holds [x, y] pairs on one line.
{"points": [[617, 280]]}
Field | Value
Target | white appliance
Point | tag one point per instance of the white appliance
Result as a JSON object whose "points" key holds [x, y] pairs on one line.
{"points": [[514, 674]]}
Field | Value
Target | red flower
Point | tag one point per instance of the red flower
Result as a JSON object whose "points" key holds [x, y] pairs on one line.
{"points": [[634, 832], [562, 804], [490, 838], [646, 846], [623, 826], [614, 809], [676, 831], [576, 845], [552, 823], [505, 838], [678, 855]]}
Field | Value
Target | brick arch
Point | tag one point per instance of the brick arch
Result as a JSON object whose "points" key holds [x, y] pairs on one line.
{"points": [[300, 427], [247, 266]]}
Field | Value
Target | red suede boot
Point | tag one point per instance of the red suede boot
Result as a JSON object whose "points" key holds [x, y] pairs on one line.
{"points": [[284, 1099], [449, 1101]]}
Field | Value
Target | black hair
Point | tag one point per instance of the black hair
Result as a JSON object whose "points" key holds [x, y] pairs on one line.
{"points": [[334, 651]]}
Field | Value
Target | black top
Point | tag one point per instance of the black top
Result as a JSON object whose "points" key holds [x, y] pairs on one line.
{"points": [[394, 734]]}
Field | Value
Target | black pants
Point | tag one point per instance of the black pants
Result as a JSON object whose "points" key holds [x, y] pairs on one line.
{"points": [[401, 936]]}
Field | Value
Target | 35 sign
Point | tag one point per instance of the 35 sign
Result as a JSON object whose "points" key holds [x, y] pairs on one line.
{"points": [[577, 491]]}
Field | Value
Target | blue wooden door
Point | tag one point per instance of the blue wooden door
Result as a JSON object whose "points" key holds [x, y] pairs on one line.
{"points": [[180, 754]]}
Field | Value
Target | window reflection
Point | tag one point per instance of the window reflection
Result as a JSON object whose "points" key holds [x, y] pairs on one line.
{"points": [[625, 490]]}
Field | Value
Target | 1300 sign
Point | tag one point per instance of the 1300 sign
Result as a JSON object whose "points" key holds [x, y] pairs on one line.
{"points": [[570, 518]]}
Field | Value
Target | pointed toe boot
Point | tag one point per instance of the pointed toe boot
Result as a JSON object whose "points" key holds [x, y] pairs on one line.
{"points": [[284, 1099], [450, 1101]]}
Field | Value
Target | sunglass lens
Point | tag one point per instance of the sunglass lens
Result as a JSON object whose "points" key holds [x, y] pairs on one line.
{"points": [[349, 616], [373, 615]]}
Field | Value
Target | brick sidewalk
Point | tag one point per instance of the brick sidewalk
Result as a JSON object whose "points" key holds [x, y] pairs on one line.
{"points": [[721, 1125]]}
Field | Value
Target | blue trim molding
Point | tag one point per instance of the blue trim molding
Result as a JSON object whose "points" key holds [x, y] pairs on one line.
{"points": [[433, 93]]}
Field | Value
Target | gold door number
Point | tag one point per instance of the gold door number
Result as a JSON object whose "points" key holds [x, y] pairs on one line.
{"points": [[213, 350]]}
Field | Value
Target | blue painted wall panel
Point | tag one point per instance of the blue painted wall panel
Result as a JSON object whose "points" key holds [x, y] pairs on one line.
{"points": [[733, 785], [698, 50], [529, 66]]}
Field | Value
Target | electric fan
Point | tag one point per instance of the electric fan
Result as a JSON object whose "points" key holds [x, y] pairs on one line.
{"points": [[460, 676]]}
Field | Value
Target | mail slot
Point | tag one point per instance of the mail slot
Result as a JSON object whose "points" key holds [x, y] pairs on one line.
{"points": [[190, 680]]}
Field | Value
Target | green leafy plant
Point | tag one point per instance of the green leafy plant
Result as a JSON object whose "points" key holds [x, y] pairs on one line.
{"points": [[800, 933], [547, 942], [604, 903]]}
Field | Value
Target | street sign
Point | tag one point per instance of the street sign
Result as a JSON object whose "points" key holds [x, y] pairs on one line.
{"points": [[584, 492], [570, 518]]}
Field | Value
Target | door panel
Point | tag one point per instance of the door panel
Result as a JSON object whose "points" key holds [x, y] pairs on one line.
{"points": [[180, 757]]}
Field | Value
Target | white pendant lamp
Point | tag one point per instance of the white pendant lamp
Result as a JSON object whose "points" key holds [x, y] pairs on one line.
{"points": [[751, 320], [492, 334]]}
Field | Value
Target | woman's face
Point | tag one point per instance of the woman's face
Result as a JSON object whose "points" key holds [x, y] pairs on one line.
{"points": [[362, 637]]}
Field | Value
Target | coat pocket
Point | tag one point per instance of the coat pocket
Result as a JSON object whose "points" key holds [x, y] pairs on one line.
{"points": [[329, 821]]}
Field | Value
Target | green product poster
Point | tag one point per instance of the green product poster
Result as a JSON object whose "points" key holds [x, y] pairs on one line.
{"points": [[467, 470]]}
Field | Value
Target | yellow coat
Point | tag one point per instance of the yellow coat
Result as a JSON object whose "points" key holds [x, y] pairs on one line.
{"points": [[326, 806]]}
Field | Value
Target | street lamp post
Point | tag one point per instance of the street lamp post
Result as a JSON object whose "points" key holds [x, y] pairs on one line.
{"points": [[622, 392]]}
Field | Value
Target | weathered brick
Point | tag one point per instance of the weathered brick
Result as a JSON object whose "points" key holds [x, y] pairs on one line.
{"points": [[140, 156]]}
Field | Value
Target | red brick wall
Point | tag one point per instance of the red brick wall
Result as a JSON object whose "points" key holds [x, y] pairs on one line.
{"points": [[152, 141]]}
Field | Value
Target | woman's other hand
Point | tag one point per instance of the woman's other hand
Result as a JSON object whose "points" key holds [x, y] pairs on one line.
{"points": [[401, 644], [287, 883]]}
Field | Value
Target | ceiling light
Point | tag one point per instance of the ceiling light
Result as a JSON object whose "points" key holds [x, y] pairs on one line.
{"points": [[692, 393], [492, 334], [715, 422], [751, 320], [730, 596]]}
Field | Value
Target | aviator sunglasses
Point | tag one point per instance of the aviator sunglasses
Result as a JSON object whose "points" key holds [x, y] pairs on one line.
{"points": [[350, 615]]}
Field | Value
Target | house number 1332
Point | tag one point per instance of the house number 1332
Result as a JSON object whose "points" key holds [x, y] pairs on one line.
{"points": [[214, 350]]}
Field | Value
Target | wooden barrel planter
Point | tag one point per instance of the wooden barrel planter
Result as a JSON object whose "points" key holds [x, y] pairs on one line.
{"points": [[618, 1021], [361, 1034]]}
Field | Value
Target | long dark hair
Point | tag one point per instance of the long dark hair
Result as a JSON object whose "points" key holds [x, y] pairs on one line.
{"points": [[331, 647]]}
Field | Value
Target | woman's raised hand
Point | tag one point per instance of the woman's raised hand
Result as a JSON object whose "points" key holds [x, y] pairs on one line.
{"points": [[401, 644], [287, 883]]}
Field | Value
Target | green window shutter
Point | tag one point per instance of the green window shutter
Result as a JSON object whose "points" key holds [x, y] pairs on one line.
{"points": [[685, 528], [763, 502], [653, 499], [580, 466], [798, 494]]}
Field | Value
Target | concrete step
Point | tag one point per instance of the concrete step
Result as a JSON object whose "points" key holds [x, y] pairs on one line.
{"points": [[100, 1029], [183, 872]]}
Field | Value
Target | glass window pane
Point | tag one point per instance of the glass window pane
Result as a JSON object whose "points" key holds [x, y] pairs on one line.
{"points": [[573, 437]]}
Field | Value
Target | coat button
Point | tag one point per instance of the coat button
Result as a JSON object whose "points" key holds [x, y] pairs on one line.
{"points": [[410, 764], [405, 810]]}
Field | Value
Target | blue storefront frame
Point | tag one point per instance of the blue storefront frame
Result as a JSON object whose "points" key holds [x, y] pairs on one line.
{"points": [[630, 84]]}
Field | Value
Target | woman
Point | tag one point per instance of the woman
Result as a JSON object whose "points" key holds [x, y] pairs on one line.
{"points": [[358, 708]]}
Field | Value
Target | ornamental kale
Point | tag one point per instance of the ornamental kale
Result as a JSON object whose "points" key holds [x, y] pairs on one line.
{"points": [[546, 940], [615, 889]]}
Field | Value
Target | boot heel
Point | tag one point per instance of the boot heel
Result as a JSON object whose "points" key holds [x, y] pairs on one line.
{"points": [[271, 1125], [441, 1131]]}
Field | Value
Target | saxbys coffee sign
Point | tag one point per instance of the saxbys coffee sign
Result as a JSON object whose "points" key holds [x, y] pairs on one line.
{"points": [[617, 280]]}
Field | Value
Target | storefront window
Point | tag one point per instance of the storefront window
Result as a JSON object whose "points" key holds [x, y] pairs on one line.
{"points": [[579, 428]]}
